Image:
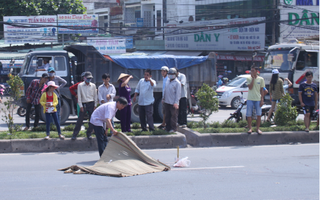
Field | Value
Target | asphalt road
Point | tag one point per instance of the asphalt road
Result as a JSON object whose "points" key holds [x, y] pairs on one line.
{"points": [[251, 172]]}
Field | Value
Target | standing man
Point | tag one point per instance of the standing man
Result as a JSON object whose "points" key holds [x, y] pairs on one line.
{"points": [[87, 100], [106, 91], [101, 121], [33, 95], [59, 82], [182, 117], [164, 73], [146, 100], [308, 97], [171, 97], [73, 90], [255, 97]]}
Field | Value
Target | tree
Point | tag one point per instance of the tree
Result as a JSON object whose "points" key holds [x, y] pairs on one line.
{"points": [[15, 93], [208, 102], [39, 7], [286, 113]]}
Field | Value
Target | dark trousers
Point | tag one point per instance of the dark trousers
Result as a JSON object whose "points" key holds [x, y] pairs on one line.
{"points": [[54, 115], [87, 107], [102, 139], [58, 109], [146, 111], [171, 117], [37, 109], [125, 119], [182, 117]]}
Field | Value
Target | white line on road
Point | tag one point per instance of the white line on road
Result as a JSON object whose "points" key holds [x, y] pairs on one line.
{"points": [[206, 168]]}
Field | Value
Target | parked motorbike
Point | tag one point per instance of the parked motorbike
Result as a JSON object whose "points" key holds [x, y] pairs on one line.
{"points": [[194, 107], [240, 113]]}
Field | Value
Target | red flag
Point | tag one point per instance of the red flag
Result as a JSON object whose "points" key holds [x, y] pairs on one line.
{"points": [[118, 1]]}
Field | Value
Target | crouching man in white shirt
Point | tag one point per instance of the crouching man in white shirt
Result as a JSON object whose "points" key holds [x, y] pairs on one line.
{"points": [[101, 121]]}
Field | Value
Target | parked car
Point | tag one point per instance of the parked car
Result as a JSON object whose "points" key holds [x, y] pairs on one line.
{"points": [[230, 94]]}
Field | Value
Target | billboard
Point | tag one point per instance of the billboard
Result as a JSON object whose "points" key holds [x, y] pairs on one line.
{"points": [[299, 19], [78, 24], [37, 29], [108, 46], [245, 35]]}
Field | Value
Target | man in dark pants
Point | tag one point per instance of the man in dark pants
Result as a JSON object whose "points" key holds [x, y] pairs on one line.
{"points": [[87, 101], [182, 117], [101, 121], [146, 100], [33, 95], [171, 97]]}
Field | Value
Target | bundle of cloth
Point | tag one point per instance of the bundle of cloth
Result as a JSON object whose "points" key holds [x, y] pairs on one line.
{"points": [[121, 158]]}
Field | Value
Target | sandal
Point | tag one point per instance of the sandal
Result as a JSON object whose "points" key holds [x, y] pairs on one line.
{"points": [[307, 130], [249, 131], [259, 132]]}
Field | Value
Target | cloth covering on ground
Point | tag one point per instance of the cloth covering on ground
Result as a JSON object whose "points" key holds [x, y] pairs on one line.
{"points": [[121, 158]]}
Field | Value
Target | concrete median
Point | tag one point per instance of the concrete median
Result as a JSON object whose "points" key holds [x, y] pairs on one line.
{"points": [[197, 139], [83, 144]]}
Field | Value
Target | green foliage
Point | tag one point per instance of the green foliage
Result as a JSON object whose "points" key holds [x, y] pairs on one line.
{"points": [[208, 102], [285, 113], [135, 125], [40, 7], [15, 93], [86, 125], [70, 127], [117, 125]]}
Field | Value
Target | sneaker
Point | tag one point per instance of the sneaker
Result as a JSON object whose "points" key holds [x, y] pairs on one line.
{"points": [[47, 137], [161, 127], [183, 126], [73, 138], [61, 137], [90, 137], [171, 131], [307, 130]]}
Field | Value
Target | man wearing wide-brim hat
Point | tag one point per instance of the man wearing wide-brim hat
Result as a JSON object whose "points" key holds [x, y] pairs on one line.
{"points": [[87, 101]]}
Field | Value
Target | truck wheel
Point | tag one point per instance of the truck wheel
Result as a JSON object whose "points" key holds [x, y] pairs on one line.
{"points": [[64, 112], [135, 112], [158, 115], [235, 102]]}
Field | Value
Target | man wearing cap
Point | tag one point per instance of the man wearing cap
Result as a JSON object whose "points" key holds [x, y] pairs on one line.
{"points": [[33, 95], [164, 73], [60, 82], [171, 97], [146, 100], [45, 65], [87, 100]]}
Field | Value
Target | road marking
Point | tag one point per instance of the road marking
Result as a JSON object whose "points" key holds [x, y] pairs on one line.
{"points": [[206, 168]]}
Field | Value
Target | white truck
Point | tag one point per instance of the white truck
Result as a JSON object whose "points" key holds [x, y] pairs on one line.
{"points": [[292, 60]]}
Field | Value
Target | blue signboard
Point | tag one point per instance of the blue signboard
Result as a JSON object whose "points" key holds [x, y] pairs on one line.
{"points": [[129, 41], [139, 22]]}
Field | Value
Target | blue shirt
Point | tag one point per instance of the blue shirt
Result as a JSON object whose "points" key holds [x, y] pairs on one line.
{"points": [[164, 84], [145, 91]]}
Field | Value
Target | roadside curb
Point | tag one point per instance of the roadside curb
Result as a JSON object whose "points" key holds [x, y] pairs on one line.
{"points": [[197, 139], [83, 144]]}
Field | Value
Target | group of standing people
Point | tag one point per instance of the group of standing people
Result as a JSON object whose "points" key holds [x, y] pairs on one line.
{"points": [[45, 92], [308, 96]]}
